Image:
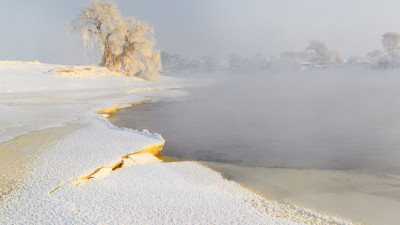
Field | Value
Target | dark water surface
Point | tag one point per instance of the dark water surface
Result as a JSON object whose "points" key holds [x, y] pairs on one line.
{"points": [[314, 121]]}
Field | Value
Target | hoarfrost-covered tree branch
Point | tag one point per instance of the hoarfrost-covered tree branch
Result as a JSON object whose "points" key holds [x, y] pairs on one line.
{"points": [[321, 54], [127, 44]]}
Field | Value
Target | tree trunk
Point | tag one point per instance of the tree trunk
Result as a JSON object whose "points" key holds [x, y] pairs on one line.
{"points": [[106, 55]]}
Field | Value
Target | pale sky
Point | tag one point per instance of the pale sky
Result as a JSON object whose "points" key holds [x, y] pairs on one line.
{"points": [[36, 29]]}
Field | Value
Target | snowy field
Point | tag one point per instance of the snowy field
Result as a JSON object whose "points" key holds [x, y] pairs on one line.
{"points": [[60, 162]]}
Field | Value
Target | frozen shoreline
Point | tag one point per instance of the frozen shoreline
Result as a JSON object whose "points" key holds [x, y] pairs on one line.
{"points": [[182, 192], [362, 197]]}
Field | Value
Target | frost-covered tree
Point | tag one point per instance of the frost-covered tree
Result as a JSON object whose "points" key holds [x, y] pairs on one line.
{"points": [[354, 60], [174, 63], [290, 60], [235, 61], [140, 59], [391, 43], [321, 55], [258, 62], [127, 44], [375, 56]]}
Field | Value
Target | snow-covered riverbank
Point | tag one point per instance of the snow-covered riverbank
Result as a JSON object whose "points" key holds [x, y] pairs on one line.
{"points": [[69, 165]]}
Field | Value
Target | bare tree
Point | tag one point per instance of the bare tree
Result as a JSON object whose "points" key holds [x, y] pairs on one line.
{"points": [[127, 44]]}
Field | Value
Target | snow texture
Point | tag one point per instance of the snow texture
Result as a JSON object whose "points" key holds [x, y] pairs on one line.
{"points": [[35, 96]]}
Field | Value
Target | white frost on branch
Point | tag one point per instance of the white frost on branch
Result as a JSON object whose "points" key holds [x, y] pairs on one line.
{"points": [[127, 44], [320, 54]]}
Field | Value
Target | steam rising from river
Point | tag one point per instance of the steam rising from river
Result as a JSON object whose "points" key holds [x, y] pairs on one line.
{"points": [[346, 119]]}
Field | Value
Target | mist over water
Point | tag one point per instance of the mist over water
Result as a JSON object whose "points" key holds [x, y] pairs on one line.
{"points": [[338, 119]]}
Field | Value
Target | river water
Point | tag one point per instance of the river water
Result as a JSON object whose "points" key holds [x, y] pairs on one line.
{"points": [[327, 140], [333, 120]]}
